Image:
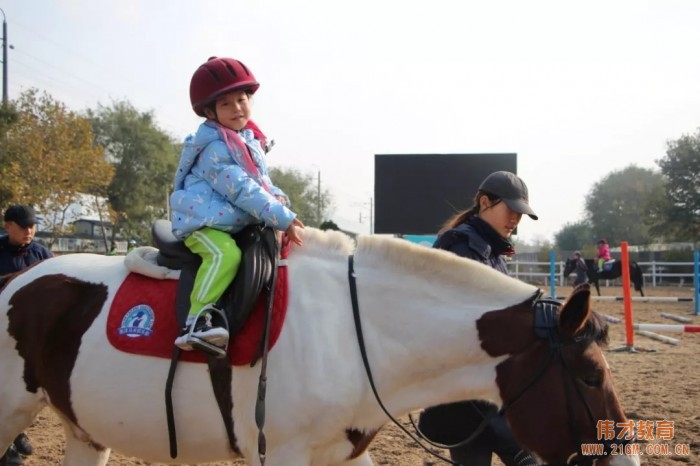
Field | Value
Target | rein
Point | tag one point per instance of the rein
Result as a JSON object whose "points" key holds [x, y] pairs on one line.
{"points": [[363, 352], [546, 328]]}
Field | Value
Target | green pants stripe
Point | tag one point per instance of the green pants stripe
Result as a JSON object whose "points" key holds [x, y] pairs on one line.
{"points": [[221, 258]]}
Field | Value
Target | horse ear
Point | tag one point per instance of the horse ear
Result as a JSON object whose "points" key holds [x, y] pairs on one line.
{"points": [[576, 311]]}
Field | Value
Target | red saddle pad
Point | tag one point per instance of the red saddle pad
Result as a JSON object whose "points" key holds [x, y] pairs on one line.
{"points": [[142, 320]]}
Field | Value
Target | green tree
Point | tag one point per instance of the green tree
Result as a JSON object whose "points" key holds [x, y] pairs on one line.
{"points": [[676, 208], [303, 194], [617, 205], [574, 236], [145, 159], [8, 117], [50, 158]]}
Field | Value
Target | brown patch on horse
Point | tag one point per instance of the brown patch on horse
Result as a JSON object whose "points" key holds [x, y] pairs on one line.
{"points": [[48, 318], [360, 441], [559, 370], [501, 331]]}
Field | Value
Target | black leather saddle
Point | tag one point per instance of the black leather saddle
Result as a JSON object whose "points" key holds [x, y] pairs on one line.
{"points": [[258, 246]]}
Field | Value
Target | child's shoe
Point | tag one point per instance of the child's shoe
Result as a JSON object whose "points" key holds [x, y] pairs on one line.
{"points": [[202, 331]]}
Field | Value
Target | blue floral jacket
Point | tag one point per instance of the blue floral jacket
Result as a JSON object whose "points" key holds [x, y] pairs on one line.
{"points": [[212, 188]]}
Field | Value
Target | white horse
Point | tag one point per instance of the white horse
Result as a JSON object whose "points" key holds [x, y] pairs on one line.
{"points": [[437, 329]]}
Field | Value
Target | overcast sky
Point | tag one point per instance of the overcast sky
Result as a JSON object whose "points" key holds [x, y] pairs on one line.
{"points": [[576, 89]]}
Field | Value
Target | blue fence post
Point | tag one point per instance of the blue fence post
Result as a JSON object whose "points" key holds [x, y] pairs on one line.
{"points": [[552, 279], [696, 269]]}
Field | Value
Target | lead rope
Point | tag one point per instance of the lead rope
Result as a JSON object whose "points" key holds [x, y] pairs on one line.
{"points": [[365, 360]]}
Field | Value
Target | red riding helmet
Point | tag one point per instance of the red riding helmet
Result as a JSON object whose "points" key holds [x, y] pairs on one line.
{"points": [[216, 77], [602, 240]]}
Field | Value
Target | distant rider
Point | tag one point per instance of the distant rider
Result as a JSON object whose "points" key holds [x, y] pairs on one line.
{"points": [[603, 253]]}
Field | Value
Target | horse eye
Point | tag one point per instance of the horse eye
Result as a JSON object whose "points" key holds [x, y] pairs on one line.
{"points": [[592, 380]]}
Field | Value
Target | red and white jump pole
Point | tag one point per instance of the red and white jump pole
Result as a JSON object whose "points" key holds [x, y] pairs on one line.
{"points": [[678, 328]]}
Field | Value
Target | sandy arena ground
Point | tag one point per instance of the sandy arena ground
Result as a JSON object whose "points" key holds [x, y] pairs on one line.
{"points": [[660, 385]]}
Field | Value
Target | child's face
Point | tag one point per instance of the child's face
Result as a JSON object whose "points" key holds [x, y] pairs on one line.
{"points": [[232, 110]]}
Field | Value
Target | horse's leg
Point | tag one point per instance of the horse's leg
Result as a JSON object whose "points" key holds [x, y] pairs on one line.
{"points": [[13, 421], [640, 278], [18, 407], [80, 451], [363, 460]]}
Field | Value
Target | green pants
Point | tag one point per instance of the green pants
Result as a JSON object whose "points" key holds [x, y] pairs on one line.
{"points": [[220, 260]]}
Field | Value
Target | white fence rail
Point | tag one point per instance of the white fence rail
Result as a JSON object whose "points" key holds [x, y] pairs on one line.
{"points": [[655, 273]]}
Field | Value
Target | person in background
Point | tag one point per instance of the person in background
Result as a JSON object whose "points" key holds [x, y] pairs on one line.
{"points": [[131, 246], [481, 233], [603, 253], [18, 250], [221, 186], [580, 269], [112, 250]]}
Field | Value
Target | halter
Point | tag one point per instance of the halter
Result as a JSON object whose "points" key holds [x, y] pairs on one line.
{"points": [[545, 327]]}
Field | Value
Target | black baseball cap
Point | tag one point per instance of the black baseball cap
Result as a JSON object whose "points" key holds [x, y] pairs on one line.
{"points": [[22, 215], [511, 189]]}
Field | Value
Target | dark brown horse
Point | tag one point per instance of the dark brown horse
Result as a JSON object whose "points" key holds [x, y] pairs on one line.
{"points": [[594, 275]]}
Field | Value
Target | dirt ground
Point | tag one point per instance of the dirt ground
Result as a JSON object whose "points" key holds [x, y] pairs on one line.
{"points": [[653, 386]]}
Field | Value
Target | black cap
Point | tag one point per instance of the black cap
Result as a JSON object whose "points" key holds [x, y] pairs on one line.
{"points": [[509, 187], [22, 215]]}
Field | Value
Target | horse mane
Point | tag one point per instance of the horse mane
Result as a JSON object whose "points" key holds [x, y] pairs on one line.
{"points": [[432, 264], [327, 243], [378, 251]]}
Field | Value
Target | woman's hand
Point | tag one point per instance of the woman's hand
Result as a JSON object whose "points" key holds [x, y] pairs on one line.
{"points": [[293, 233]]}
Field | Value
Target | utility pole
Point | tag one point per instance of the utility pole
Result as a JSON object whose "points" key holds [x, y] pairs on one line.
{"points": [[318, 203], [4, 58]]}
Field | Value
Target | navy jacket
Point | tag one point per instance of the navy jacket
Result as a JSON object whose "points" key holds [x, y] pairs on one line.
{"points": [[465, 241], [14, 259]]}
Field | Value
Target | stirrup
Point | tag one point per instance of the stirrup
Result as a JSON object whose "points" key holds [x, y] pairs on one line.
{"points": [[206, 347]]}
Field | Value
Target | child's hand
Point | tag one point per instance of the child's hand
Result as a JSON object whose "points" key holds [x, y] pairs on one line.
{"points": [[292, 232]]}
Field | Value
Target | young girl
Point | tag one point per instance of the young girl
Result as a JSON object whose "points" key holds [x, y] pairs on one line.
{"points": [[603, 254], [221, 186], [482, 233]]}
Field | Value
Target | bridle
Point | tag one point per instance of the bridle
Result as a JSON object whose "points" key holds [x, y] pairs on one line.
{"points": [[546, 328]]}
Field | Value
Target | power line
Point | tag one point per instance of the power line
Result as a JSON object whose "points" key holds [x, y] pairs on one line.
{"points": [[64, 48], [4, 57], [67, 73], [37, 78]]}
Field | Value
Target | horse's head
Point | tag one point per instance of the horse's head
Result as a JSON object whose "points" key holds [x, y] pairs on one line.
{"points": [[556, 385]]}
